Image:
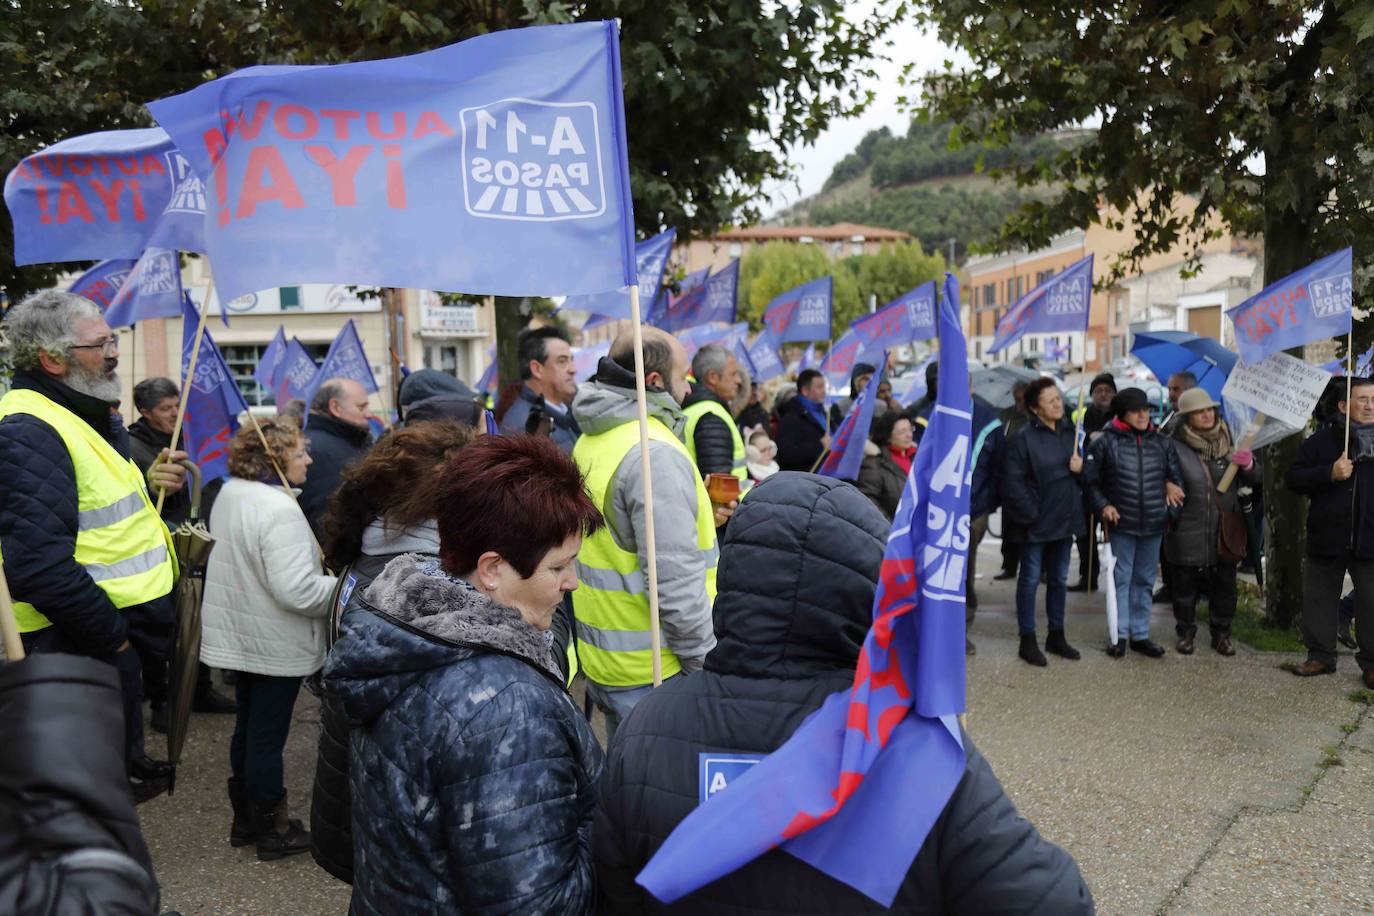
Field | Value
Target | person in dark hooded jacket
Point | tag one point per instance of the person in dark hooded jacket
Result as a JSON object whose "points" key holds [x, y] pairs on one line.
{"points": [[804, 426], [787, 641], [473, 774], [1133, 479]]}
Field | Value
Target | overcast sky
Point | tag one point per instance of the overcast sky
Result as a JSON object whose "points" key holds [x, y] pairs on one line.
{"points": [[813, 163]]}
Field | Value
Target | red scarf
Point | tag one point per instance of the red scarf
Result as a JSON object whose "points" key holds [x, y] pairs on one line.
{"points": [[903, 458]]}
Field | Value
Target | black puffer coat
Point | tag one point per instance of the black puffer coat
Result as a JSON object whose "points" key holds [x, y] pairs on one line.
{"points": [[1192, 540], [797, 575], [474, 776], [1128, 470], [715, 442], [69, 838], [1340, 518], [334, 445], [881, 478], [1041, 498], [799, 435]]}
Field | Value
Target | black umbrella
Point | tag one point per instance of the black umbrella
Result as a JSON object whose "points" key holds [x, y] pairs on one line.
{"points": [[192, 542], [995, 385]]}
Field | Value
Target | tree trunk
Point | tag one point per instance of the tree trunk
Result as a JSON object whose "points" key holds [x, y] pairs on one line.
{"points": [[512, 314]]}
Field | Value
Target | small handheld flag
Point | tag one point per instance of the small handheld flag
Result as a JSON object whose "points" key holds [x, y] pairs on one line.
{"points": [[151, 290], [847, 448], [1061, 303], [651, 260], [266, 372], [763, 357], [346, 359], [909, 317], [213, 400], [102, 282], [296, 372]]}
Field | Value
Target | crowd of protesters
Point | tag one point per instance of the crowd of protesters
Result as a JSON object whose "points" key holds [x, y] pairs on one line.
{"points": [[443, 583]]}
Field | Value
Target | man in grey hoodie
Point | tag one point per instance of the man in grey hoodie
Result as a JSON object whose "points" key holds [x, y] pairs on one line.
{"points": [[612, 603]]}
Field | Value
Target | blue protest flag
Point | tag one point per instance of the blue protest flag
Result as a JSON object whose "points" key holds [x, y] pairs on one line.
{"points": [[1312, 304], [909, 317], [651, 259], [1061, 303], [105, 195], [213, 400], [676, 313], [346, 359], [266, 372], [763, 357], [839, 362], [802, 313], [496, 165], [296, 371], [722, 290], [847, 448], [151, 290], [102, 282], [491, 428], [488, 382], [809, 359], [857, 788]]}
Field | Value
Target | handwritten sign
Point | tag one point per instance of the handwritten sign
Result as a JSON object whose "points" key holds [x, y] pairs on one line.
{"points": [[1281, 387]]}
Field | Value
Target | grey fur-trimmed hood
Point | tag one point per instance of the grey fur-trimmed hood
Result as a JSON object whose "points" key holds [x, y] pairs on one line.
{"points": [[427, 620]]}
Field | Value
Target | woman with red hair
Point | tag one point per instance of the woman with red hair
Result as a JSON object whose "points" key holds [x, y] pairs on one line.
{"points": [[473, 773]]}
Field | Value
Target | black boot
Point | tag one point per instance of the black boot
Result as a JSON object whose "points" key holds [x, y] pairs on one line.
{"points": [[278, 836], [242, 831], [211, 700], [1117, 649], [1030, 651], [1057, 644]]}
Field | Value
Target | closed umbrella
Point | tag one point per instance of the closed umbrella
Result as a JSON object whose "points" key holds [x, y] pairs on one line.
{"points": [[995, 385], [1108, 578], [192, 542], [1168, 353]]}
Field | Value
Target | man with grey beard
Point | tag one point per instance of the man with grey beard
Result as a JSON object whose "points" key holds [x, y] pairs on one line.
{"points": [[88, 561]]}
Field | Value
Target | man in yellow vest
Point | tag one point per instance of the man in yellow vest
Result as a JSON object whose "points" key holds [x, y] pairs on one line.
{"points": [[713, 439], [84, 552], [612, 602]]}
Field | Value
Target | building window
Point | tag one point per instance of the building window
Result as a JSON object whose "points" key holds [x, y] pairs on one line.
{"points": [[978, 349], [242, 359], [452, 358], [1042, 275], [989, 295], [290, 297]]}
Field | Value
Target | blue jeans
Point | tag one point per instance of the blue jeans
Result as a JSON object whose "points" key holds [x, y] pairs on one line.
{"points": [[1053, 558], [1137, 561]]}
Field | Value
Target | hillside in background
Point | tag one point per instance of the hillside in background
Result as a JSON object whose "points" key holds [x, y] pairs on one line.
{"points": [[917, 184]]}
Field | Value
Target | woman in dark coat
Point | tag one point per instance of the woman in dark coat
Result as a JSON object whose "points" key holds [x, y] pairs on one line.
{"points": [[474, 776], [1042, 510], [1133, 479], [1205, 449], [887, 461]]}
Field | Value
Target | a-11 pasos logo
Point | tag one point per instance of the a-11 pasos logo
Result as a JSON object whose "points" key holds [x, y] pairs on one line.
{"points": [[1068, 297], [530, 160], [1330, 295], [188, 192]]}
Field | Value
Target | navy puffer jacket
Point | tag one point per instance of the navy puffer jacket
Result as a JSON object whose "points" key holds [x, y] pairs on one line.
{"points": [[1041, 498], [797, 574], [474, 777], [1128, 470]]}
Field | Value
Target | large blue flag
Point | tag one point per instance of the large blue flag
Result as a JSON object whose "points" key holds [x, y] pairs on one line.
{"points": [[857, 788], [675, 313], [105, 195], [266, 372], [722, 291], [909, 317], [847, 448], [346, 359], [295, 374], [102, 282], [651, 259], [496, 165], [213, 400], [802, 313], [151, 290], [1312, 304], [763, 357], [1061, 303]]}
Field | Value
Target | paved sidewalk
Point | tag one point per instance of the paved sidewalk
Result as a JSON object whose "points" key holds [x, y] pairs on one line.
{"points": [[1182, 785]]}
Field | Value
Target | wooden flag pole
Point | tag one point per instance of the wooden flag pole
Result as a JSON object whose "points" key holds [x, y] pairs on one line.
{"points": [[1349, 371], [650, 547], [1245, 443], [1082, 409], [186, 383], [9, 627]]}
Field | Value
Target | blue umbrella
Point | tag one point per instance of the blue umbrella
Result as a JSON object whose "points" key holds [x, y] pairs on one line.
{"points": [[1169, 352]]}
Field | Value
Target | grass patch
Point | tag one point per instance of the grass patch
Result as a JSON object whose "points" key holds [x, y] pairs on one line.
{"points": [[1251, 628], [1350, 727], [1363, 696], [1331, 757]]}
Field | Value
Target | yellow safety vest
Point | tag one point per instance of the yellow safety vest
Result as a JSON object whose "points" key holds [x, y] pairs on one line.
{"points": [[120, 540], [694, 415], [612, 600]]}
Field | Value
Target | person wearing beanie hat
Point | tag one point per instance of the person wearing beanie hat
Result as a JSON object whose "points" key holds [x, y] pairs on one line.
{"points": [[426, 383], [859, 378], [1194, 545], [1133, 479]]}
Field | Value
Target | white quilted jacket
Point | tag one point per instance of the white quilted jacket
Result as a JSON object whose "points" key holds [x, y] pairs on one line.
{"points": [[265, 597]]}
